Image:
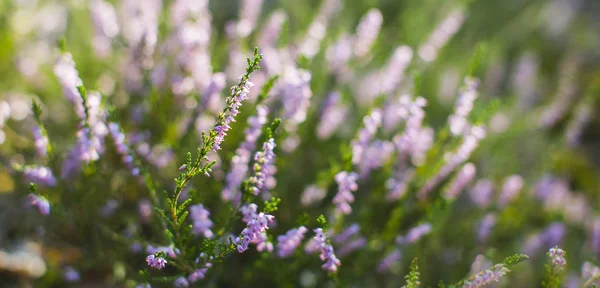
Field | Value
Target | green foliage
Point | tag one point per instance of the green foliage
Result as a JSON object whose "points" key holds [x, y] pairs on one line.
{"points": [[515, 259], [412, 279], [271, 206]]}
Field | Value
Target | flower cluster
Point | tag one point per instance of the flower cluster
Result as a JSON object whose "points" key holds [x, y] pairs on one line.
{"points": [[264, 169], [39, 175], [40, 202], [287, 243], [41, 141], [486, 277], [464, 104], [327, 254], [254, 232], [557, 257], [239, 162], [156, 262], [371, 123], [122, 148], [346, 185], [201, 221], [413, 235], [239, 93]]}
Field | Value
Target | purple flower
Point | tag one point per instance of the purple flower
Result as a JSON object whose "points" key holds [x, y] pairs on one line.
{"points": [[264, 169], [145, 210], [169, 251], [385, 80], [239, 162], [486, 277], [41, 141], [312, 194], [70, 274], [198, 274], [316, 31], [249, 12], [333, 115], [440, 35], [201, 221], [352, 246], [464, 104], [39, 175], [181, 282], [262, 243], [287, 243], [346, 185], [511, 188], [414, 234], [464, 177], [122, 147], [327, 254], [481, 193], [375, 156], [252, 233], [40, 202], [371, 123], [248, 212], [109, 208], [156, 262], [583, 115], [106, 27], [367, 32], [389, 260], [415, 140], [557, 257], [470, 143], [271, 30], [238, 94], [338, 54], [347, 233], [485, 227], [67, 75], [398, 184]]}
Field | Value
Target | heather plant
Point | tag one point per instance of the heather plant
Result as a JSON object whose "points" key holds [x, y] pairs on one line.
{"points": [[361, 144]]}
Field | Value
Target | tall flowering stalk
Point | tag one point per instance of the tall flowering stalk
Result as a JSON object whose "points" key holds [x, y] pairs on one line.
{"points": [[177, 213]]}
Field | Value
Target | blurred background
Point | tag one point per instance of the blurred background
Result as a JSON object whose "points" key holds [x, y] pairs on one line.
{"points": [[537, 180]]}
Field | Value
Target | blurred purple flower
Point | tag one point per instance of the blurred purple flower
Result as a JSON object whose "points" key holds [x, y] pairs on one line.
{"points": [[40, 175], [40, 202], [201, 221], [287, 243], [485, 227], [239, 162], [346, 185], [463, 178], [414, 234], [389, 260], [312, 194], [482, 192]]}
